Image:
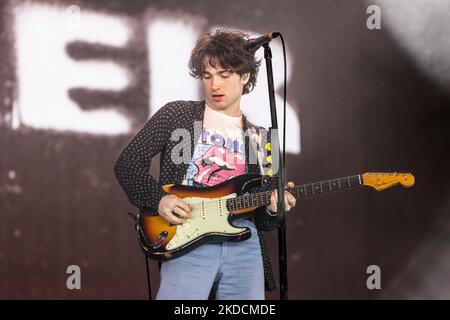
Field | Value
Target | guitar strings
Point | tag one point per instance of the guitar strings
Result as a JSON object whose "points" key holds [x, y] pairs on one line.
{"points": [[261, 196], [308, 189], [297, 191]]}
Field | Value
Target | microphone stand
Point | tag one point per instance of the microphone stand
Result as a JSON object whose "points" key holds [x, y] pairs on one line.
{"points": [[276, 159]]}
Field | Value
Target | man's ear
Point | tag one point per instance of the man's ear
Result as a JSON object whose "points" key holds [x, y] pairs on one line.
{"points": [[244, 79]]}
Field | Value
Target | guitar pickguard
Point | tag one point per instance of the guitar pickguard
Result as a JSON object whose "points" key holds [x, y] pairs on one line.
{"points": [[209, 217]]}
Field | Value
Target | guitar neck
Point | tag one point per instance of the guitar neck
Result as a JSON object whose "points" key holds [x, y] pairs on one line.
{"points": [[305, 190]]}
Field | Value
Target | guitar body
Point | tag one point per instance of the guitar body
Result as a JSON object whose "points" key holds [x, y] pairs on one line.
{"points": [[211, 220]]}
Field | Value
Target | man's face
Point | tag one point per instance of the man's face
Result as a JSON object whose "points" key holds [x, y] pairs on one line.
{"points": [[223, 88]]}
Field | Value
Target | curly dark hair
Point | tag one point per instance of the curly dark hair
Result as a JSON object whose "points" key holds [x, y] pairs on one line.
{"points": [[226, 48]]}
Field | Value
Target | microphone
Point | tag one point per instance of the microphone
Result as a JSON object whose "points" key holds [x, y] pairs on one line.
{"points": [[254, 44]]}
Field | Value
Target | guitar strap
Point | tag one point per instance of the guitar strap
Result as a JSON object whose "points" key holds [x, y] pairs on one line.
{"points": [[260, 146]]}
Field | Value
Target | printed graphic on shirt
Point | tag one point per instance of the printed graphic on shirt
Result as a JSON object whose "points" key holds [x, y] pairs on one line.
{"points": [[216, 159]]}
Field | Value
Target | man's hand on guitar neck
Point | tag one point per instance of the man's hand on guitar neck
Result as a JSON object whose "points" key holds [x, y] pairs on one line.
{"points": [[174, 209], [289, 200]]}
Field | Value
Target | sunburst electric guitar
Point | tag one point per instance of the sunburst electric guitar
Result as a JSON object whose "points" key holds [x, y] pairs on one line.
{"points": [[215, 208]]}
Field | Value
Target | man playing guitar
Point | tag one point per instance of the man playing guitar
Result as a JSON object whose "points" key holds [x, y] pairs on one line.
{"points": [[222, 149]]}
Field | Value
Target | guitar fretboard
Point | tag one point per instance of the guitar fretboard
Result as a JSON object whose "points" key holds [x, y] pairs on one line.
{"points": [[305, 190]]}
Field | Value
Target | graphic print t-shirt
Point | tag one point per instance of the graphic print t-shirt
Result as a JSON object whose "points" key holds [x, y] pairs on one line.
{"points": [[220, 151]]}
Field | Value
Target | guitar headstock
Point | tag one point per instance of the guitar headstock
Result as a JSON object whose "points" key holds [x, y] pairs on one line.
{"points": [[384, 180]]}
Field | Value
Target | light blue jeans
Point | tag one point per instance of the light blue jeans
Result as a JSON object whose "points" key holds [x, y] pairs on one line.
{"points": [[236, 267]]}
